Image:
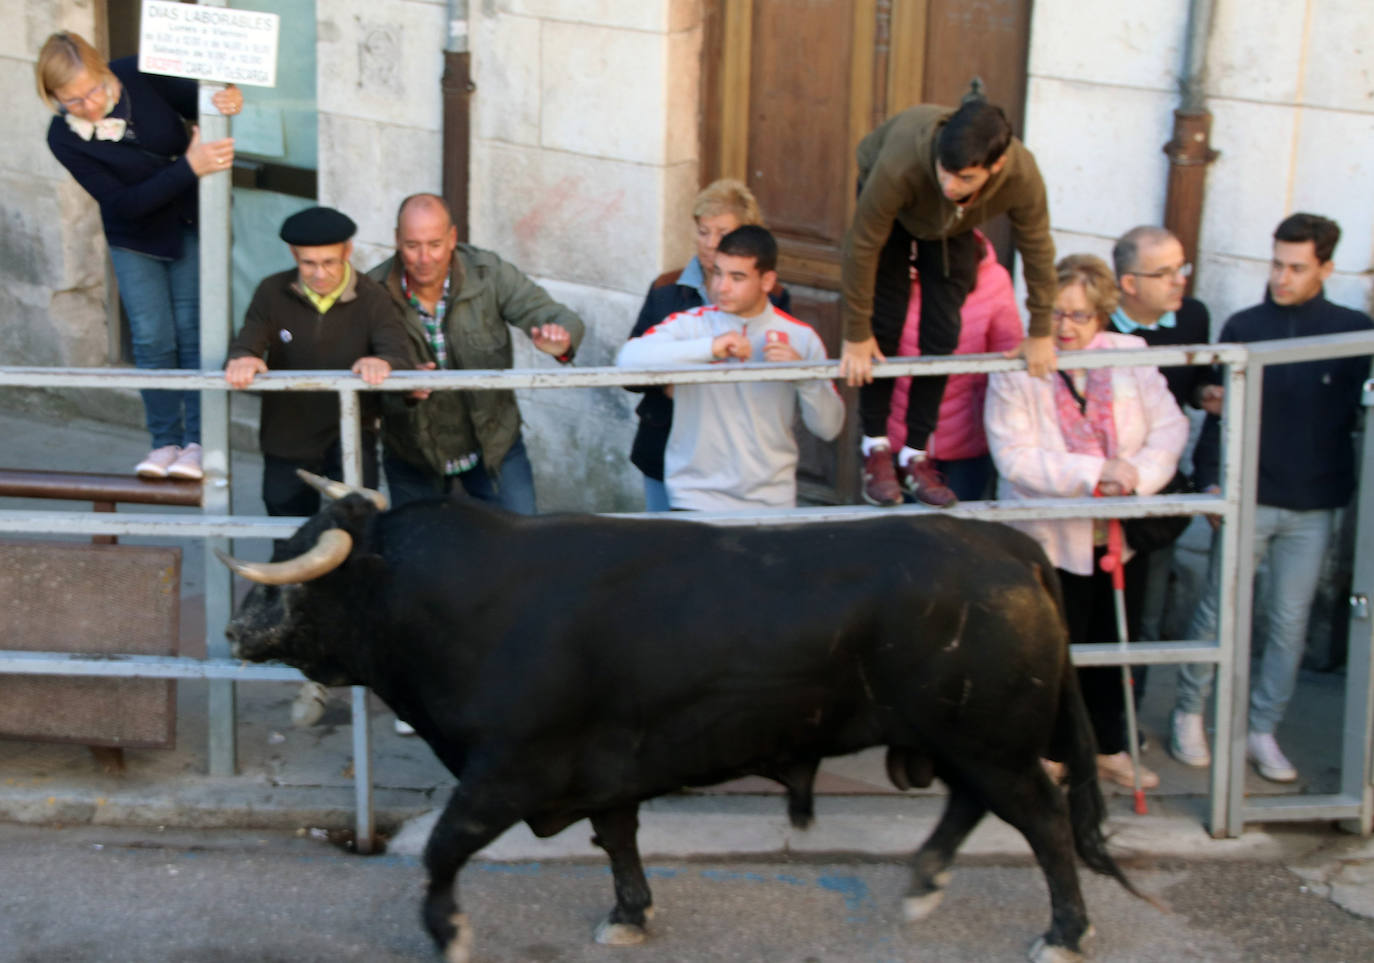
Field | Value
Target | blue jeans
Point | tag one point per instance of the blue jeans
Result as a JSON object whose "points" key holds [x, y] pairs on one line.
{"points": [[1294, 544], [513, 489], [285, 493], [655, 495], [1159, 573], [162, 299]]}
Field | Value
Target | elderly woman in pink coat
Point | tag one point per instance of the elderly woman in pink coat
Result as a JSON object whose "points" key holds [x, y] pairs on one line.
{"points": [[1110, 431]]}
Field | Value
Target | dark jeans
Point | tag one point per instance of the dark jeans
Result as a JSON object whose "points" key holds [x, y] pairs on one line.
{"points": [[513, 489], [948, 269], [284, 493], [1091, 611], [968, 478]]}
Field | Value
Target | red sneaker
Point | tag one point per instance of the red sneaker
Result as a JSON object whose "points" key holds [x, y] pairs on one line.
{"points": [[880, 478], [921, 479]]}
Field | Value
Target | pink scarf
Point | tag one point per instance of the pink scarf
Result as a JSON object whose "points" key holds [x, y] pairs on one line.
{"points": [[1089, 430]]}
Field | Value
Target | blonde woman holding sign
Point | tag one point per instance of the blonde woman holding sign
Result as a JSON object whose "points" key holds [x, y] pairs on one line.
{"points": [[124, 136]]}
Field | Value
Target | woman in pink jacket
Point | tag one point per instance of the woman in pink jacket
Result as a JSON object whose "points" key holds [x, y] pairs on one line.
{"points": [[1109, 431], [958, 448]]}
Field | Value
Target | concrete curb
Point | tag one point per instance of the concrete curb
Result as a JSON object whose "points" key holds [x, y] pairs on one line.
{"points": [[207, 804], [865, 826]]}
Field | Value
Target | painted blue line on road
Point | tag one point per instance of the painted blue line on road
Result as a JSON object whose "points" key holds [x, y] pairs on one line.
{"points": [[854, 891], [729, 876], [513, 869]]}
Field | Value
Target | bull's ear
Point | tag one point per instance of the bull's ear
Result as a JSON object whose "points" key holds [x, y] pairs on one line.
{"points": [[368, 564], [353, 513]]}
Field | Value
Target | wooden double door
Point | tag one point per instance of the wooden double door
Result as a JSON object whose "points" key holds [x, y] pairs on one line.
{"points": [[789, 87]]}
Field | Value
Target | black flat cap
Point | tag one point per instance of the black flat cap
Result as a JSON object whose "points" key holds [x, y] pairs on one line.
{"points": [[317, 226]]}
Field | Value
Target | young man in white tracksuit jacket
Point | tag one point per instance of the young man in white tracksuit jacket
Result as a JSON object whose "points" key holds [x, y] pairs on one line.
{"points": [[731, 447]]}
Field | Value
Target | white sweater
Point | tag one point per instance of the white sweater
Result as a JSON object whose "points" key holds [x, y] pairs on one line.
{"points": [[731, 447]]}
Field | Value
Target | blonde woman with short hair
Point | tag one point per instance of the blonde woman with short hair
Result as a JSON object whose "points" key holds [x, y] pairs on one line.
{"points": [[123, 135]]}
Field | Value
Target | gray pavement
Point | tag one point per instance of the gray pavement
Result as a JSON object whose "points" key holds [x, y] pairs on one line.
{"points": [[301, 779], [102, 895]]}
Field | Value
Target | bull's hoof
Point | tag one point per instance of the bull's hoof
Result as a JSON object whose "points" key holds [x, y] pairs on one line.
{"points": [[917, 907], [459, 949], [1043, 952], [620, 934]]}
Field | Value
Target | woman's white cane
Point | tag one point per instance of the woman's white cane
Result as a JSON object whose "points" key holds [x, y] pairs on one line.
{"points": [[1113, 563]]}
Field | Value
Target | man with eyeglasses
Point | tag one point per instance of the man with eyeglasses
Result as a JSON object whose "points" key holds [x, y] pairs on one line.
{"points": [[1152, 274], [1306, 472]]}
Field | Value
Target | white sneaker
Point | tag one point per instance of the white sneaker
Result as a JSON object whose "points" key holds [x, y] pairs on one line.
{"points": [[1263, 750], [157, 462], [403, 728], [1188, 739], [187, 464], [308, 708]]}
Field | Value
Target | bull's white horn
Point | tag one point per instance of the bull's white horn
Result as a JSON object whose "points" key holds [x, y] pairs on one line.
{"points": [[330, 550], [330, 488]]}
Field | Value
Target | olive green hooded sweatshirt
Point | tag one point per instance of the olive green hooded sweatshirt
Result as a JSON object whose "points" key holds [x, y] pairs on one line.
{"points": [[897, 170]]}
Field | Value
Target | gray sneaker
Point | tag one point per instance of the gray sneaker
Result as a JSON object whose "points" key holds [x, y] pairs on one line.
{"points": [[1188, 739], [1263, 750], [309, 705]]}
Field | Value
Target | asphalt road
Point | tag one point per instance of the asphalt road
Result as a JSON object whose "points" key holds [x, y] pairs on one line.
{"points": [[89, 894]]}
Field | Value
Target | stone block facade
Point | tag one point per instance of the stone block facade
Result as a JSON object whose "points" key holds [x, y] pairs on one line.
{"points": [[583, 169], [52, 248], [1291, 90]]}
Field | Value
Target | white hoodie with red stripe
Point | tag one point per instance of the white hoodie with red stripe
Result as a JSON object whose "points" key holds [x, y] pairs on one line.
{"points": [[731, 447]]}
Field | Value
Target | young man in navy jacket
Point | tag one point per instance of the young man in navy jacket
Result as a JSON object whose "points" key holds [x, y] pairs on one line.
{"points": [[1306, 472]]}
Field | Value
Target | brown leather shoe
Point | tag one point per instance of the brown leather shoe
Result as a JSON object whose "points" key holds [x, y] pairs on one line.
{"points": [[1117, 768], [923, 481], [880, 478]]}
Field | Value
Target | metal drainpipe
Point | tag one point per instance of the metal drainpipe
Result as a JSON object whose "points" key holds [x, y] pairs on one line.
{"points": [[1190, 151], [457, 88]]}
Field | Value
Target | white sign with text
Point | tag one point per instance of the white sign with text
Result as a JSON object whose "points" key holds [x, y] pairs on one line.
{"points": [[209, 43]]}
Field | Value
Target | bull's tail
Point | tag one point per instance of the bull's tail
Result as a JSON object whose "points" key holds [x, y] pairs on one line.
{"points": [[1075, 745]]}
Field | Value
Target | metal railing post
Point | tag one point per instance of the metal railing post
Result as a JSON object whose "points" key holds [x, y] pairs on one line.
{"points": [[351, 455], [215, 326], [1357, 738], [1237, 598], [1225, 542]]}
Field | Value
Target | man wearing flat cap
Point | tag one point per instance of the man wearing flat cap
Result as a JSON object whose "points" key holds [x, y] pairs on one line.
{"points": [[323, 314]]}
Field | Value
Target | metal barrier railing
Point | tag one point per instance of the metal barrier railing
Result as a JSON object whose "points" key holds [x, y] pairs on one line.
{"points": [[1235, 505]]}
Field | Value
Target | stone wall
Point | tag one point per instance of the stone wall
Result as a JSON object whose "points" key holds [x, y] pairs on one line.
{"points": [[1291, 90], [583, 166], [583, 170], [52, 248]]}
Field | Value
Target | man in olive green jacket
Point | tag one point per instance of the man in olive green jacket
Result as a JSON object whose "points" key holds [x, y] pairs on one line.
{"points": [[927, 177], [459, 304]]}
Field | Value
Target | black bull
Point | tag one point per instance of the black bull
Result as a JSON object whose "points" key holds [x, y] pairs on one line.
{"points": [[569, 667]]}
